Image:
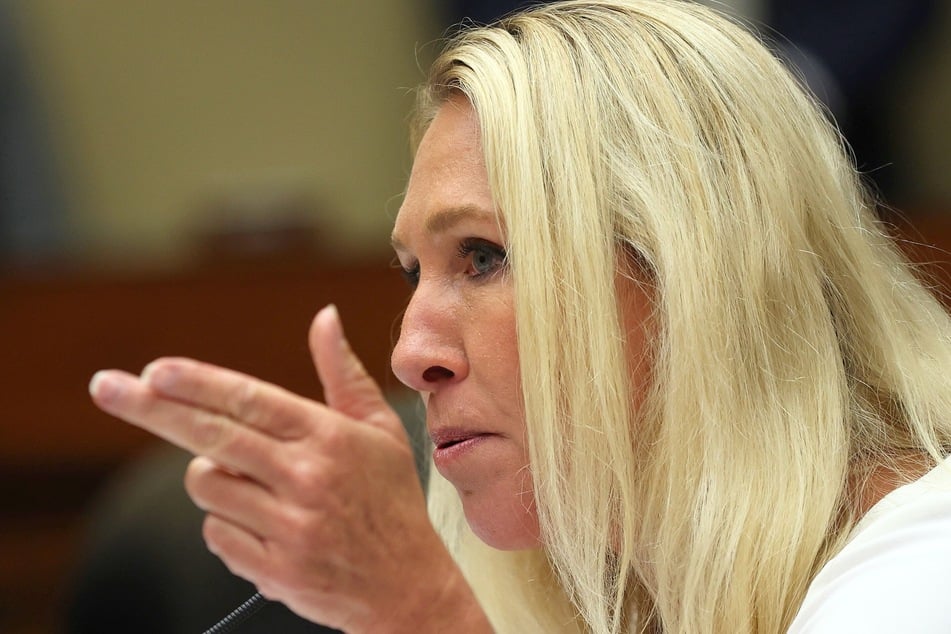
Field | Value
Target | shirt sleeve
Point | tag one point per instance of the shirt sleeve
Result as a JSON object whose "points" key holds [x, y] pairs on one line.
{"points": [[895, 573]]}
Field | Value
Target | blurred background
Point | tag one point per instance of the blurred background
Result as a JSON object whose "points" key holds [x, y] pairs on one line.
{"points": [[198, 178]]}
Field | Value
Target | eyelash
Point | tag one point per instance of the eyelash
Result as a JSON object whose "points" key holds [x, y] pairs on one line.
{"points": [[467, 248], [477, 246], [411, 275]]}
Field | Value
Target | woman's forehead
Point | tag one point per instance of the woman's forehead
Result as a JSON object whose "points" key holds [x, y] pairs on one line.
{"points": [[449, 182]]}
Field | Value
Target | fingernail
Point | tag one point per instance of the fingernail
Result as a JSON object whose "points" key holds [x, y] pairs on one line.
{"points": [[104, 387], [331, 309], [149, 375], [158, 376]]}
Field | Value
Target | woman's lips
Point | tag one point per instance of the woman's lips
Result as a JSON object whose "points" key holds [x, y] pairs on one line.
{"points": [[449, 436], [452, 446]]}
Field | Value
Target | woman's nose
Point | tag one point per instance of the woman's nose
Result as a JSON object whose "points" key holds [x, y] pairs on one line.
{"points": [[429, 353]]}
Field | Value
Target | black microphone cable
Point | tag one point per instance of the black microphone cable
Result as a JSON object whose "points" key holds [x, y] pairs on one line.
{"points": [[239, 615]]}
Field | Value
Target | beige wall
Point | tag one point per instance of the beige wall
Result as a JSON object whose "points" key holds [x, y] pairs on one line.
{"points": [[161, 108], [164, 109]]}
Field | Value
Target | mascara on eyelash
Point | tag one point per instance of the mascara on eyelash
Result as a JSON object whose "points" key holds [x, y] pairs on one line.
{"points": [[470, 245], [411, 275], [466, 248], [475, 249]]}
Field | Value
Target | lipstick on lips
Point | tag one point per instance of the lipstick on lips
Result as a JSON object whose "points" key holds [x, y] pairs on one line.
{"points": [[451, 444]]}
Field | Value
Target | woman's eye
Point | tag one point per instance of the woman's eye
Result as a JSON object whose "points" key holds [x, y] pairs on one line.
{"points": [[410, 274], [484, 257]]}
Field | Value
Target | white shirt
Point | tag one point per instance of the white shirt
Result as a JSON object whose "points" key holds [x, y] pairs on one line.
{"points": [[894, 574]]}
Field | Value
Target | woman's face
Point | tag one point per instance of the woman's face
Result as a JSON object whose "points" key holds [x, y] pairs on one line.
{"points": [[457, 344]]}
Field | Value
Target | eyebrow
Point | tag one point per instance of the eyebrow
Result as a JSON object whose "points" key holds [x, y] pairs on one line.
{"points": [[445, 219]]}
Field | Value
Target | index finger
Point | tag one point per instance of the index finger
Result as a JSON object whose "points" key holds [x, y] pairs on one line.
{"points": [[202, 432], [268, 408]]}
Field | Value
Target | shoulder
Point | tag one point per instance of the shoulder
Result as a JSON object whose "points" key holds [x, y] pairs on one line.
{"points": [[895, 572]]}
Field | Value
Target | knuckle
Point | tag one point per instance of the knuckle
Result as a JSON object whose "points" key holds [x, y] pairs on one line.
{"points": [[304, 474], [243, 402], [209, 431], [238, 444], [299, 530], [335, 439]]}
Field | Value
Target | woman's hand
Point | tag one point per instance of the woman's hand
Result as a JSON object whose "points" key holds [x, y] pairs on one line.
{"points": [[318, 505]]}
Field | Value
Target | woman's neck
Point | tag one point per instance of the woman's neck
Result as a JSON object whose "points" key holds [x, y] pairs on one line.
{"points": [[885, 478]]}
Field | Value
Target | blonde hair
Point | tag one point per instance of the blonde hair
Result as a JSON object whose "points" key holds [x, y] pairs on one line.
{"points": [[793, 348]]}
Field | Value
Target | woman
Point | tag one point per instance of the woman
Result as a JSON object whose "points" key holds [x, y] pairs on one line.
{"points": [[670, 363]]}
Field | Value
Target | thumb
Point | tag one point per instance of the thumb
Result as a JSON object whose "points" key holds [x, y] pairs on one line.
{"points": [[347, 386]]}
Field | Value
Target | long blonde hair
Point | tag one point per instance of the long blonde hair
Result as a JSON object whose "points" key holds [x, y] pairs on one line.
{"points": [[793, 350]]}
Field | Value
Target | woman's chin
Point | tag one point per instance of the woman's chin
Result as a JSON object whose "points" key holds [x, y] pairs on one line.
{"points": [[512, 528]]}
